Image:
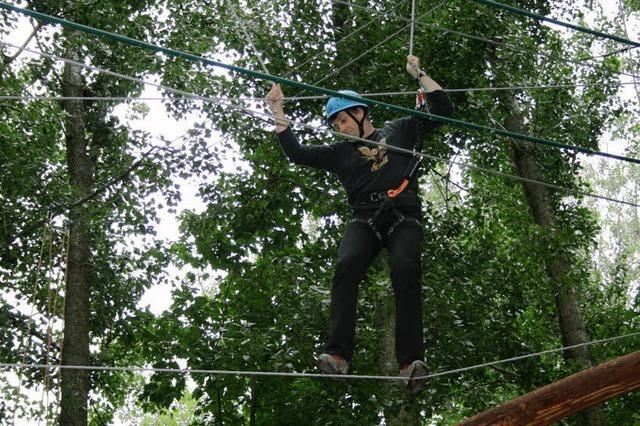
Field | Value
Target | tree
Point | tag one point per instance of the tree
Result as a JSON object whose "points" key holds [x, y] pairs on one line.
{"points": [[228, 236], [269, 233], [106, 193]]}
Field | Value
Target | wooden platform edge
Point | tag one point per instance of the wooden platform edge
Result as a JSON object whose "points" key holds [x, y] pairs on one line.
{"points": [[567, 396]]}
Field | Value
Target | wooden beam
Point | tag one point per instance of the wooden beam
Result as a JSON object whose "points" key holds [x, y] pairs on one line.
{"points": [[567, 396]]}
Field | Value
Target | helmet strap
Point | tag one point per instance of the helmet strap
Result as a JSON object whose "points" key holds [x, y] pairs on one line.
{"points": [[360, 122]]}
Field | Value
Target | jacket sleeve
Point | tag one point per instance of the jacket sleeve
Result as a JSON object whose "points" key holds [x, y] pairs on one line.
{"points": [[323, 157], [439, 104]]}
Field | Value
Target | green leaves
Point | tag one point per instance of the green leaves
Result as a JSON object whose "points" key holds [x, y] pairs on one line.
{"points": [[258, 261]]}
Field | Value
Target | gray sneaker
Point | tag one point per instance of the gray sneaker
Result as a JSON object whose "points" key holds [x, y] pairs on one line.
{"points": [[332, 364], [416, 369]]}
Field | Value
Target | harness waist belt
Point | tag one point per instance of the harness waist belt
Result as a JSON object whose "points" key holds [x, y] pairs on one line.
{"points": [[374, 197]]}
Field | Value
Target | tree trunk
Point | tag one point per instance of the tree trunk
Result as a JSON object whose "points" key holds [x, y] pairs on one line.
{"points": [[254, 402], [558, 400], [569, 314], [75, 351], [404, 413]]}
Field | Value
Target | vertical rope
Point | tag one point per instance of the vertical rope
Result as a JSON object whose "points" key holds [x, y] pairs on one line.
{"points": [[65, 239], [413, 26], [44, 400], [26, 346], [52, 310], [247, 35], [630, 52]]}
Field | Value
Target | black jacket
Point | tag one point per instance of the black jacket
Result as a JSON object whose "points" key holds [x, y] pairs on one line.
{"points": [[365, 169]]}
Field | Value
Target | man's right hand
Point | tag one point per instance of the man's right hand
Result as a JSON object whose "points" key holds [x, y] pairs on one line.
{"points": [[413, 66], [275, 98]]}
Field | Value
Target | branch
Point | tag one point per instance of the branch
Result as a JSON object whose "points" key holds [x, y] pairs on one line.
{"points": [[19, 321], [8, 59], [45, 50], [60, 208]]}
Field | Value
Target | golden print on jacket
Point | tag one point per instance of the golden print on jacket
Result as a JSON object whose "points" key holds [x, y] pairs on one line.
{"points": [[377, 154]]}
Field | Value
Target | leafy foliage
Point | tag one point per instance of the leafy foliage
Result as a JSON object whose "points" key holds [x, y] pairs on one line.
{"points": [[261, 254]]}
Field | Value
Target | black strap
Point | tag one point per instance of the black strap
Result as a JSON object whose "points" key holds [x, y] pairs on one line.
{"points": [[412, 168], [360, 122], [400, 218], [378, 197]]}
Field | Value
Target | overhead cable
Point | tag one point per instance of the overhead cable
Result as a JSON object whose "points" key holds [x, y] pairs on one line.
{"points": [[277, 79], [293, 98], [258, 114], [413, 25], [220, 100], [369, 50], [360, 28], [523, 12], [228, 103], [247, 36], [476, 37], [185, 371], [626, 34]]}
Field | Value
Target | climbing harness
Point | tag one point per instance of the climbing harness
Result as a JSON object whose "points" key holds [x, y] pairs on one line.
{"points": [[372, 221], [388, 197]]}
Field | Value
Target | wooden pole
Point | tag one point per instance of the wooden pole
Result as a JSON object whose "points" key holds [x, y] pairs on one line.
{"points": [[567, 396]]}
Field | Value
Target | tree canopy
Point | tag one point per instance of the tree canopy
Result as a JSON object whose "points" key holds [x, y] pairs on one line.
{"points": [[255, 264]]}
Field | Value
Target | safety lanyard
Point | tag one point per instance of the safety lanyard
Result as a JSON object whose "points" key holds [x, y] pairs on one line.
{"points": [[421, 105]]}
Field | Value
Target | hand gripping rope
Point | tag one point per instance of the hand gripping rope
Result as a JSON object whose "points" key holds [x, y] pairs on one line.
{"points": [[421, 105]]}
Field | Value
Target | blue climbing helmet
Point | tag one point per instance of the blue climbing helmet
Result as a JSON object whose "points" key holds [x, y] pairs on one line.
{"points": [[335, 105]]}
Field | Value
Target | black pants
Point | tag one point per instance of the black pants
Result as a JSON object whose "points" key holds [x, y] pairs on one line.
{"points": [[359, 247]]}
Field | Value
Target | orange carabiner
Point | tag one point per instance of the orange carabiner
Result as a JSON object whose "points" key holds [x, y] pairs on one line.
{"points": [[393, 193], [421, 100]]}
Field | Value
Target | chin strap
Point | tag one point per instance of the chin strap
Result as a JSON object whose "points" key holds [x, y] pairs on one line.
{"points": [[360, 122]]}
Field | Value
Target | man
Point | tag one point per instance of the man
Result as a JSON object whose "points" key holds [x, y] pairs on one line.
{"points": [[367, 172]]}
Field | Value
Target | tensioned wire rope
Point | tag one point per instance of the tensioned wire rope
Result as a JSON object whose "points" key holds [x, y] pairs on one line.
{"points": [[278, 79], [313, 97], [385, 40], [267, 116], [523, 12], [413, 21], [342, 376], [307, 374], [480, 38], [621, 9], [413, 26], [436, 158], [221, 100], [407, 151], [247, 36], [293, 98], [339, 42], [184, 371]]}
